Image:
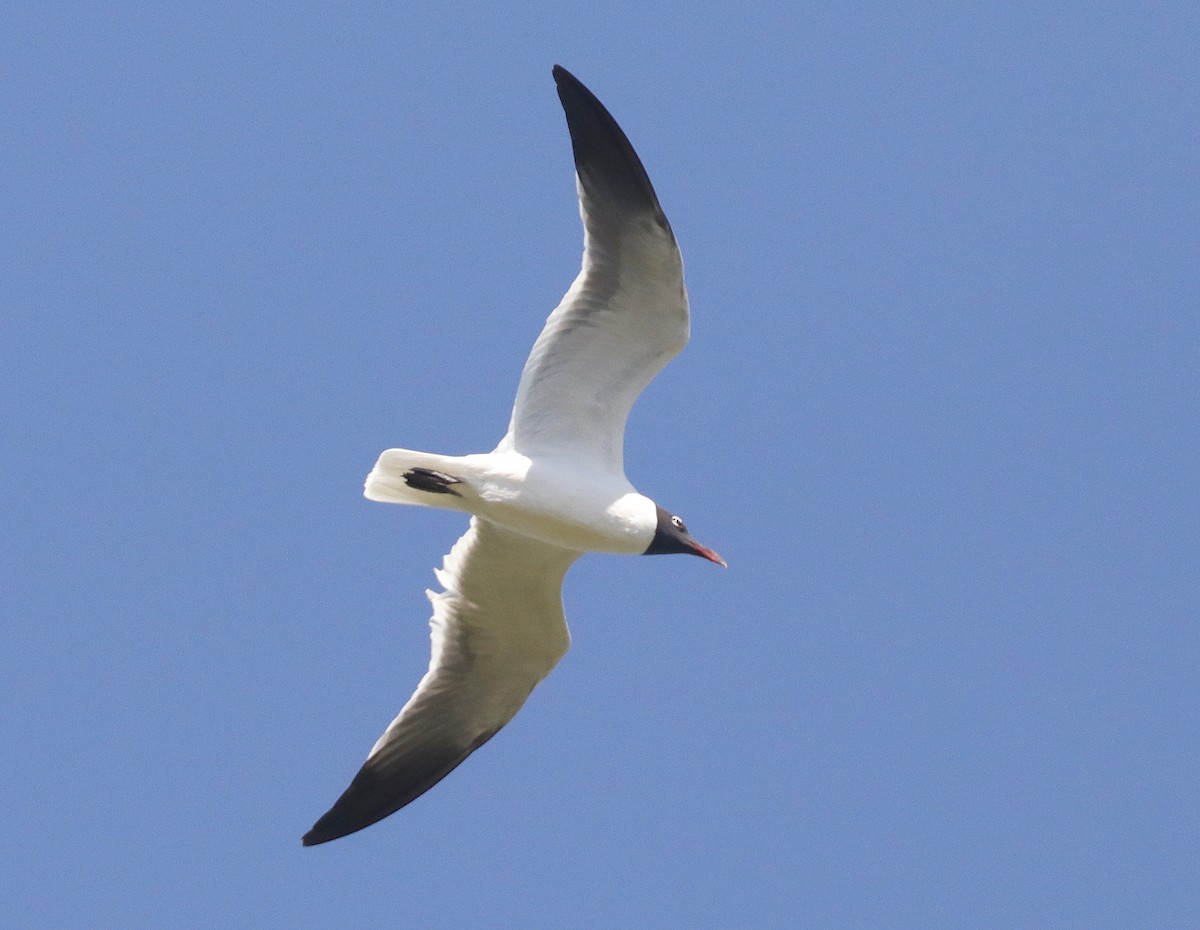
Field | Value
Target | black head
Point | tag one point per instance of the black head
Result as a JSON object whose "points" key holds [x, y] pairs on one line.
{"points": [[671, 536]]}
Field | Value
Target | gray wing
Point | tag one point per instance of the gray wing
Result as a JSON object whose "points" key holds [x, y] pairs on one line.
{"points": [[497, 630], [622, 320]]}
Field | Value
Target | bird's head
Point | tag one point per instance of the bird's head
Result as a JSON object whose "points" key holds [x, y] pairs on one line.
{"points": [[671, 535]]}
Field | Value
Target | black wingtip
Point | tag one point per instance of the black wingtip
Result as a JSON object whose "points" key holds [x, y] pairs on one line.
{"points": [[327, 829], [607, 165], [383, 786], [366, 801]]}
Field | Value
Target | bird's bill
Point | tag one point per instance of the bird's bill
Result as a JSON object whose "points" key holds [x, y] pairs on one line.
{"points": [[705, 553]]}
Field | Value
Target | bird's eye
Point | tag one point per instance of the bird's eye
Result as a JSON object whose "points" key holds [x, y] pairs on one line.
{"points": [[678, 524]]}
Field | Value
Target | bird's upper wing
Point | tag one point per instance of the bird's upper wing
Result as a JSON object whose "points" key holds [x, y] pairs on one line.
{"points": [[622, 320], [497, 630]]}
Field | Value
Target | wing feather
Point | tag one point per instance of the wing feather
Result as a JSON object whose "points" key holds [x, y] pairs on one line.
{"points": [[497, 630], [624, 317]]}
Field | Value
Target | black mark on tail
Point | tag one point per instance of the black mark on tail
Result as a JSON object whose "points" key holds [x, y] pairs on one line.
{"points": [[435, 482]]}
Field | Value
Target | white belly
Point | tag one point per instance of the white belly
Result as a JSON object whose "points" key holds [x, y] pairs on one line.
{"points": [[555, 502]]}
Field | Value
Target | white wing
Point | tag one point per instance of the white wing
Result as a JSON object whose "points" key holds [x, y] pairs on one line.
{"points": [[497, 630], [625, 316]]}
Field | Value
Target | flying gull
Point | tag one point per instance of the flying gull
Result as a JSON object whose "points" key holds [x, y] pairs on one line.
{"points": [[554, 487]]}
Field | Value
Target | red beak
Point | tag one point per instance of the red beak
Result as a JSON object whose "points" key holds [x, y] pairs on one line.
{"points": [[705, 553]]}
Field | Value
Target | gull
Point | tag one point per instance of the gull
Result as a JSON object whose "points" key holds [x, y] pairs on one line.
{"points": [[553, 489]]}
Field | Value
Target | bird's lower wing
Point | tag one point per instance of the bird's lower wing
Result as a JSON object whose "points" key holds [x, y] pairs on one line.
{"points": [[497, 630]]}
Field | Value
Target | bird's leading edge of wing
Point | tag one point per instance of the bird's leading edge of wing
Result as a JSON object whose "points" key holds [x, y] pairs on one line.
{"points": [[624, 317], [497, 630]]}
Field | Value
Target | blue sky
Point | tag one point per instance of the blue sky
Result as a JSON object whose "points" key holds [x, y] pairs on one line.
{"points": [[939, 413]]}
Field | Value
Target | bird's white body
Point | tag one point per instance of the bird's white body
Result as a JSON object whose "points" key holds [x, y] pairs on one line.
{"points": [[549, 498]]}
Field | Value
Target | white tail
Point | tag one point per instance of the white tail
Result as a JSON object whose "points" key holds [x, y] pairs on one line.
{"points": [[386, 481]]}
